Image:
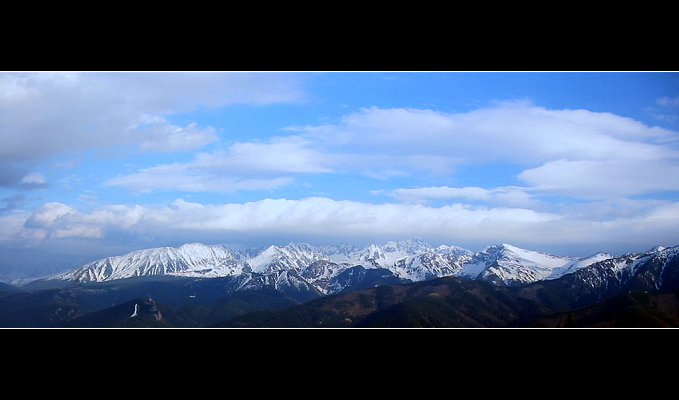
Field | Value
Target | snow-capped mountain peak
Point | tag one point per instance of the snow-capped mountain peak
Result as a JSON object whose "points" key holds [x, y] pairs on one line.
{"points": [[507, 264], [188, 258]]}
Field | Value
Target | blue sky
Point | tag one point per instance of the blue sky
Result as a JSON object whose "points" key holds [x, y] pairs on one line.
{"points": [[95, 164]]}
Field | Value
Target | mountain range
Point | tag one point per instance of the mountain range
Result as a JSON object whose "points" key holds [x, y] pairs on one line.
{"points": [[213, 285], [319, 266]]}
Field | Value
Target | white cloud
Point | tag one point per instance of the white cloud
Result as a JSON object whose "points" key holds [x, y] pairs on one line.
{"points": [[49, 113], [32, 181], [33, 178], [243, 166], [186, 178], [570, 152], [668, 109], [567, 152], [597, 179], [58, 229], [669, 211], [511, 196], [281, 155], [502, 132], [168, 137], [324, 218], [668, 101], [309, 216], [47, 214]]}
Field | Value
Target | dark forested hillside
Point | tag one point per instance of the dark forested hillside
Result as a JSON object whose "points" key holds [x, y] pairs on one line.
{"points": [[444, 302], [183, 303], [629, 310]]}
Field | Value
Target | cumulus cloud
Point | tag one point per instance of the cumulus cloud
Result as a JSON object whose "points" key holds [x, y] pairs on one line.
{"points": [[50, 113], [576, 153], [499, 132]]}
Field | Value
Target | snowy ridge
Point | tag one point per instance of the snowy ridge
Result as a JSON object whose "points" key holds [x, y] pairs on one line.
{"points": [[304, 265], [507, 265], [192, 259]]}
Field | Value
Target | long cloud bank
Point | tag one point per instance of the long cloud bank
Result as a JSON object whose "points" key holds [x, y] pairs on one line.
{"points": [[314, 215], [327, 220]]}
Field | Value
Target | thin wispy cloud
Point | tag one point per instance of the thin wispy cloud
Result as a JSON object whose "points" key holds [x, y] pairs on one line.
{"points": [[243, 166], [507, 196]]}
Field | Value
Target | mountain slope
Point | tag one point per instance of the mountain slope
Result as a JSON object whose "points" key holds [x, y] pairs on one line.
{"points": [[508, 265], [193, 259], [656, 270]]}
